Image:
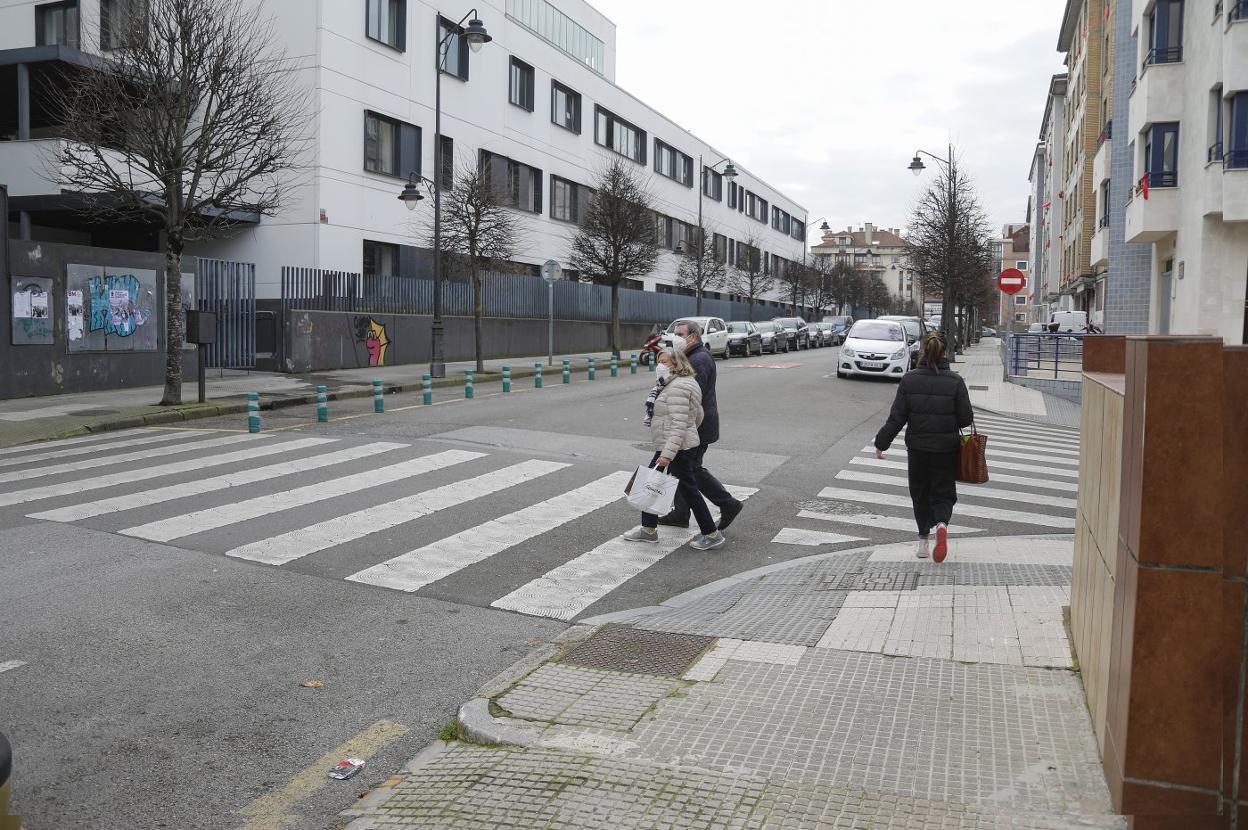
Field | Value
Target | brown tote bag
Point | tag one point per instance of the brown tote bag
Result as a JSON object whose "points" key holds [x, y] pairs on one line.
{"points": [[973, 458]]}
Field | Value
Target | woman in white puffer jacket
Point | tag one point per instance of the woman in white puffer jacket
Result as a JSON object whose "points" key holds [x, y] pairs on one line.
{"points": [[674, 411]]}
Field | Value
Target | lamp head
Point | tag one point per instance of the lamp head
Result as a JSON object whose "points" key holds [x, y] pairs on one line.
{"points": [[730, 172], [411, 194], [916, 166], [824, 226], [476, 35]]}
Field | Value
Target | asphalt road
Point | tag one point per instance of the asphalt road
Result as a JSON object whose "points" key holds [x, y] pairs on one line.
{"points": [[161, 685]]}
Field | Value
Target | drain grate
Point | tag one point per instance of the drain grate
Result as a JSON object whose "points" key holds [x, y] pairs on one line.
{"points": [[620, 648], [874, 581]]}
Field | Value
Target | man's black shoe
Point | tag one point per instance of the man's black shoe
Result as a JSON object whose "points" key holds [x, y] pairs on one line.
{"points": [[728, 514], [674, 519]]}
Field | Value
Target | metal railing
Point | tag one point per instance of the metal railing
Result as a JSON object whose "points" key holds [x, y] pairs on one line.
{"points": [[1103, 222], [1235, 159], [1215, 152], [1239, 10], [1162, 54], [1047, 355]]}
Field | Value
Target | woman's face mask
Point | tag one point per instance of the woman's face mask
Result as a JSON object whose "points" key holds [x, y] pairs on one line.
{"points": [[663, 371]]}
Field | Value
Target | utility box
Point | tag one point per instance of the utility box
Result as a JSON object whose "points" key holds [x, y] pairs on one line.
{"points": [[201, 327]]}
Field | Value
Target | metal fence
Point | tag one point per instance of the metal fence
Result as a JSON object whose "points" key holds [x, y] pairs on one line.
{"points": [[1047, 355], [502, 295], [229, 290]]}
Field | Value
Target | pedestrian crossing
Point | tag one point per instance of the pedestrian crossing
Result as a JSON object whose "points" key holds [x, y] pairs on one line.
{"points": [[1033, 486]]}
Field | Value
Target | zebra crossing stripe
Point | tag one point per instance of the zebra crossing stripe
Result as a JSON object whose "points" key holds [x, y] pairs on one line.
{"points": [[199, 521], [875, 520], [978, 511], [1030, 481], [415, 569], [65, 442], [287, 547], [142, 455], [145, 440], [1029, 426], [812, 538], [1038, 444], [996, 453], [569, 589], [99, 443], [979, 491], [70, 488], [146, 498], [997, 464]]}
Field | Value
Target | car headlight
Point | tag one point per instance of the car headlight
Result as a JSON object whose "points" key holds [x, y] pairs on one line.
{"points": [[848, 352], [899, 354]]}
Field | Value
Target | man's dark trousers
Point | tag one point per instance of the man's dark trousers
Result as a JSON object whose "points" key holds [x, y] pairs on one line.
{"points": [[708, 485]]}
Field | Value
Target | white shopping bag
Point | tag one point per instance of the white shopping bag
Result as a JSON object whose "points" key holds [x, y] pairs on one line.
{"points": [[652, 491]]}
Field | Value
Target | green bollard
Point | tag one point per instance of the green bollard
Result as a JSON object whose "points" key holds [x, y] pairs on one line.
{"points": [[426, 385], [632, 364], [379, 396], [615, 368], [253, 411], [654, 361], [506, 379], [322, 405], [567, 371], [468, 384], [592, 374], [537, 377]]}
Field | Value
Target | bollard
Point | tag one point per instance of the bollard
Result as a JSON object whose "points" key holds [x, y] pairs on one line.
{"points": [[426, 385], [567, 371], [615, 369], [379, 396], [322, 405], [506, 379], [592, 374], [537, 376], [632, 364], [253, 411], [653, 361], [468, 384]]}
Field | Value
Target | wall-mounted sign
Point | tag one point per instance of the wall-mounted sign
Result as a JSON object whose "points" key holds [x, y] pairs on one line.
{"points": [[31, 304]]}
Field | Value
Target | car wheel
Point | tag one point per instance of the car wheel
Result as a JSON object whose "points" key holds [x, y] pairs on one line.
{"points": [[840, 375]]}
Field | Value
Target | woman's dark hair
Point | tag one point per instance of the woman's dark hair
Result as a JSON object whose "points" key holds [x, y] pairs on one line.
{"points": [[933, 351]]}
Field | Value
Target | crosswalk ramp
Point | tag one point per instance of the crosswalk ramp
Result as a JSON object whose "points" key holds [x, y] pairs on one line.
{"points": [[392, 515], [1033, 487]]}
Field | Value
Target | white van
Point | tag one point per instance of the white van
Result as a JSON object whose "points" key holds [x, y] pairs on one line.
{"points": [[1069, 321]]}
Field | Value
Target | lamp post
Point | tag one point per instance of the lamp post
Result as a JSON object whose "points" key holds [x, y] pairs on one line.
{"points": [[806, 242], [946, 301]]}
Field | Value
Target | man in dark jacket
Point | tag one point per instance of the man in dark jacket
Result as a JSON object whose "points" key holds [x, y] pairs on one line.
{"points": [[933, 404], [708, 433]]}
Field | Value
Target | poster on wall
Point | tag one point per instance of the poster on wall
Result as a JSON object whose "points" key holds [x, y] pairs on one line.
{"points": [[74, 322], [119, 308], [31, 311]]}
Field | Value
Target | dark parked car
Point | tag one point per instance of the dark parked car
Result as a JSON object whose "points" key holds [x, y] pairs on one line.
{"points": [[773, 337], [841, 324], [827, 333], [744, 338], [796, 329]]}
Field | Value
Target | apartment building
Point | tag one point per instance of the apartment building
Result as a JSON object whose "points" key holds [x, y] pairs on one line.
{"points": [[1013, 250], [538, 105], [878, 251], [1046, 180]]}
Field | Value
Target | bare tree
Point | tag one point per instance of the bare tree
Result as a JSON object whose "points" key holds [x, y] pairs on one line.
{"points": [[617, 239], [196, 117], [747, 278], [701, 268], [792, 277], [480, 230], [822, 275]]}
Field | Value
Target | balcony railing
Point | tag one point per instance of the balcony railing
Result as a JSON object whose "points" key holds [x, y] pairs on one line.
{"points": [[1165, 54], [1108, 132], [1235, 159], [1103, 222], [1239, 10], [1215, 152], [1047, 355], [1155, 179]]}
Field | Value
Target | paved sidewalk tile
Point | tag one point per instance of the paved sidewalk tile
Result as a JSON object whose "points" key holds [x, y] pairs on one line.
{"points": [[577, 696], [780, 654]]}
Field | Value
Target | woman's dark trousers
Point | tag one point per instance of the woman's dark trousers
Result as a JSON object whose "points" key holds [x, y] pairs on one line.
{"points": [[933, 487]]}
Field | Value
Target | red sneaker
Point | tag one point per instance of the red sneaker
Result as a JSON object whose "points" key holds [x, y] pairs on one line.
{"points": [[941, 548]]}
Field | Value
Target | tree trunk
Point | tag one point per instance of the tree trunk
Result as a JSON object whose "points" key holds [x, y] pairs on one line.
{"points": [[175, 322], [615, 318], [476, 314], [751, 309], [698, 303]]}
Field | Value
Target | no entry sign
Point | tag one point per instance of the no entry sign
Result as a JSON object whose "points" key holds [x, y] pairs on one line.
{"points": [[1011, 280]]}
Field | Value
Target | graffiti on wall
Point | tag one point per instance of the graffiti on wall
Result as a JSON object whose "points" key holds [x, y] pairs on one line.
{"points": [[111, 308], [373, 335], [116, 305]]}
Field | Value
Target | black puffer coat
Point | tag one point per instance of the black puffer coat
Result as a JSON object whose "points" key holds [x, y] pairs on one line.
{"points": [[933, 406], [705, 372]]}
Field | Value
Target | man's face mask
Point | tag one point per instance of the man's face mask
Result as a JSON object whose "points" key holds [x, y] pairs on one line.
{"points": [[679, 343]]}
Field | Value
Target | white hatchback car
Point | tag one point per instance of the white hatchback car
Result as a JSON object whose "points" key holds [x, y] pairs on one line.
{"points": [[714, 334], [874, 347]]}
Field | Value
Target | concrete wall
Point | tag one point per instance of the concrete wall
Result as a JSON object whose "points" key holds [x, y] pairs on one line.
{"points": [[317, 341]]}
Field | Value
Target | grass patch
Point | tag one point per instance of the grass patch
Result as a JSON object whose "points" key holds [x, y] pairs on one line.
{"points": [[449, 731]]}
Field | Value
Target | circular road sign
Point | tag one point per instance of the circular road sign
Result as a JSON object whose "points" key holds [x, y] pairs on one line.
{"points": [[1011, 280], [551, 269]]}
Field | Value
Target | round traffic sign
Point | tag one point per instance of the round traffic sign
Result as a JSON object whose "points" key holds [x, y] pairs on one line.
{"points": [[551, 269], [1011, 280]]}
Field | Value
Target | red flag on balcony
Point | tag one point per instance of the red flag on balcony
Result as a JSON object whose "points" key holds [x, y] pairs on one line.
{"points": [[1144, 185]]}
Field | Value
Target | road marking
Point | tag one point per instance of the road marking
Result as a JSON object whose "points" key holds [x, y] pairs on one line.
{"points": [[415, 569], [995, 453], [1066, 486], [1025, 443], [199, 521], [146, 498], [90, 463], [143, 440], [569, 589], [874, 520], [65, 442], [69, 488], [273, 811], [982, 491], [1005, 465], [978, 511], [286, 547], [1030, 426], [812, 538], [9, 665]]}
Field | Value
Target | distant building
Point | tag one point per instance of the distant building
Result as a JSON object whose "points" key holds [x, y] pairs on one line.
{"points": [[878, 251], [1045, 208], [1013, 250]]}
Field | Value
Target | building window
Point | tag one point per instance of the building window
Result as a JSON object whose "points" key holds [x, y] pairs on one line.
{"points": [[712, 184], [520, 89], [1161, 155], [670, 162], [448, 162], [561, 31], [1020, 264], [719, 247], [455, 51], [565, 107], [732, 195], [616, 134], [1237, 155], [1217, 127], [1165, 32], [798, 231], [385, 22], [391, 147], [381, 259], [122, 23], [564, 200], [519, 185], [56, 24], [1103, 222]]}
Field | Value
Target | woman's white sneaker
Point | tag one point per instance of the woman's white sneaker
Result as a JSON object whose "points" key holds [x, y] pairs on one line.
{"points": [[641, 534], [922, 552]]}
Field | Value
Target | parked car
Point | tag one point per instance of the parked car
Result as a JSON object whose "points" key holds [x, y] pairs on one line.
{"points": [[798, 331], [1069, 321], [1037, 328], [876, 348], [840, 325], [744, 338], [916, 331], [6, 772], [816, 335], [829, 337], [774, 338], [984, 331], [714, 334]]}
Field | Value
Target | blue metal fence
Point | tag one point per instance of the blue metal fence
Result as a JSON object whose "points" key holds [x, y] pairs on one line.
{"points": [[1047, 355], [229, 290]]}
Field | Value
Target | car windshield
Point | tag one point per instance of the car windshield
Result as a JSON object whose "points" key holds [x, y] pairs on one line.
{"points": [[739, 328], [875, 330], [912, 328], [787, 322], [766, 326]]}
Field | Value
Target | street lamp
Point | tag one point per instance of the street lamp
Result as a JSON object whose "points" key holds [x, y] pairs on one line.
{"points": [[730, 172], [411, 193], [917, 167]]}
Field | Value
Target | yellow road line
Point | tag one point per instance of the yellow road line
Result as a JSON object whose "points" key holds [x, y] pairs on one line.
{"points": [[272, 811]]}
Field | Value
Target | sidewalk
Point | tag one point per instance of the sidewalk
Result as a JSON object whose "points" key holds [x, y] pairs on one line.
{"points": [[856, 689], [59, 416], [980, 366]]}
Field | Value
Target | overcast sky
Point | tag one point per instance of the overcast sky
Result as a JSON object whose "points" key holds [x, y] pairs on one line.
{"points": [[828, 99]]}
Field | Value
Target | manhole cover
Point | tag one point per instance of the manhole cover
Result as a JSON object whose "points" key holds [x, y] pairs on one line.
{"points": [[95, 412], [621, 648]]}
